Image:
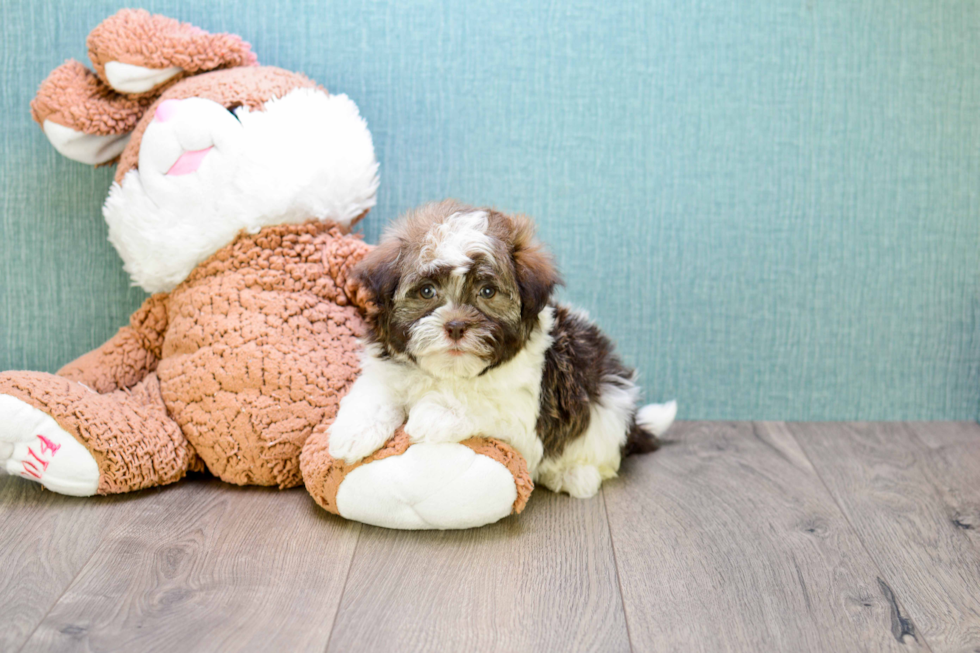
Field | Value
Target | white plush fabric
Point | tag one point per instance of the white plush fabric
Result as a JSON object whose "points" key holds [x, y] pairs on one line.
{"points": [[84, 148], [307, 155], [413, 491], [33, 446], [127, 78]]}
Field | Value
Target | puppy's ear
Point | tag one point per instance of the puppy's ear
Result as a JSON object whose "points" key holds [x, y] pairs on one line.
{"points": [[534, 268], [378, 274]]}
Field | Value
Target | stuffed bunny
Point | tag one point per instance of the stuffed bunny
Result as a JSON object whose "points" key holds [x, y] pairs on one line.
{"points": [[235, 192]]}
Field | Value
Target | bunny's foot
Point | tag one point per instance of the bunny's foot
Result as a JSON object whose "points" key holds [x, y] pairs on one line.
{"points": [[33, 446]]}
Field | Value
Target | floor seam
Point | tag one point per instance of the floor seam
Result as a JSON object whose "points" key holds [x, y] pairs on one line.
{"points": [[619, 582], [847, 518], [343, 589]]}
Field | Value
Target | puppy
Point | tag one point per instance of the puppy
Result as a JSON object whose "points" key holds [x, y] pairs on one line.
{"points": [[464, 340]]}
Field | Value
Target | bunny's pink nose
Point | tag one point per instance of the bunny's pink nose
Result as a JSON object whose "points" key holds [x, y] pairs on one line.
{"points": [[166, 110]]}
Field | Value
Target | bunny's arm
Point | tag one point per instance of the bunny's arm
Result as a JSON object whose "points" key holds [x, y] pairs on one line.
{"points": [[128, 356]]}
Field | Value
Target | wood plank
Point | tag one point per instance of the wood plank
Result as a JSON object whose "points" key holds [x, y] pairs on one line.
{"points": [[45, 540], [952, 465], [878, 473], [543, 581], [205, 566], [726, 540]]}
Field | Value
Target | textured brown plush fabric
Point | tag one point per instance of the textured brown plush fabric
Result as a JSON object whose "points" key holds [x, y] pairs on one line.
{"points": [[251, 353], [135, 444], [323, 475], [134, 36], [74, 97], [129, 356], [261, 345]]}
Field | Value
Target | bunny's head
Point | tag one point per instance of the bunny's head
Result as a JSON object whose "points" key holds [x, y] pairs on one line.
{"points": [[207, 143]]}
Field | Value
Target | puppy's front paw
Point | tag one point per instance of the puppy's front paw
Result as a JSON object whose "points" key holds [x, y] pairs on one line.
{"points": [[430, 421], [354, 438], [582, 481]]}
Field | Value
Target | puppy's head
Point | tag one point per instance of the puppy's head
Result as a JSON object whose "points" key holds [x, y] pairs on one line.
{"points": [[455, 289]]}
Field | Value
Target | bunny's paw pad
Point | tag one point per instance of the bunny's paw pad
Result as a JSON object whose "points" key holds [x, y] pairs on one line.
{"points": [[430, 486]]}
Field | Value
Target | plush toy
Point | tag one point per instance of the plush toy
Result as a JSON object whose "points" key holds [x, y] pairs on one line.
{"points": [[235, 192]]}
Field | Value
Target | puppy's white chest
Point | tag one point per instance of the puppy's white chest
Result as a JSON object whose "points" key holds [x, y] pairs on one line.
{"points": [[501, 406], [503, 403]]}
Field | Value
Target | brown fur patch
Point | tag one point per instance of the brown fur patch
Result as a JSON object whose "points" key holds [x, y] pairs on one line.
{"points": [[533, 266], [379, 274], [639, 441], [579, 362]]}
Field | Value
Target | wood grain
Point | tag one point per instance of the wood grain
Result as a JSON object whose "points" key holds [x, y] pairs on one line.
{"points": [[203, 566], [952, 465], [726, 540], [545, 581], [45, 540], [882, 477], [734, 537]]}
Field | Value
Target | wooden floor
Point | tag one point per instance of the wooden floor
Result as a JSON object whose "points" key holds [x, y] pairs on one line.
{"points": [[734, 537]]}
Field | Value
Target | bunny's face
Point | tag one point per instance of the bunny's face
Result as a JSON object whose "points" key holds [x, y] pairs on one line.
{"points": [[241, 148], [201, 166]]}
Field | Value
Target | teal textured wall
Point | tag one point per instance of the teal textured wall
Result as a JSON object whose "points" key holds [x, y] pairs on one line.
{"points": [[773, 206]]}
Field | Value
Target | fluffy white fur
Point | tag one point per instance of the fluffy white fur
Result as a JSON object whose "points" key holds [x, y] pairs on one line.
{"points": [[307, 155], [657, 418], [456, 241]]}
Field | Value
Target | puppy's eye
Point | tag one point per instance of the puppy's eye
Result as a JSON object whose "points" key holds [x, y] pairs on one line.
{"points": [[428, 291], [487, 292]]}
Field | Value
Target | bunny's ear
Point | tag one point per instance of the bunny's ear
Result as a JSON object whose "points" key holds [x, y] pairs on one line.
{"points": [[83, 118], [135, 52]]}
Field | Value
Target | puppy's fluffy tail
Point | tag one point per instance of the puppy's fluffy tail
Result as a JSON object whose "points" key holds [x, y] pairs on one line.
{"points": [[650, 422]]}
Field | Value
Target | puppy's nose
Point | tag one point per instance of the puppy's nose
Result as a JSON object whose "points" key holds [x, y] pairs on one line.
{"points": [[455, 329]]}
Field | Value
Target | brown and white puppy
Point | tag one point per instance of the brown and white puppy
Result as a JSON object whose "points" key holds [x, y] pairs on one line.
{"points": [[464, 340]]}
